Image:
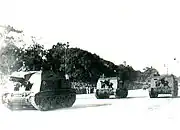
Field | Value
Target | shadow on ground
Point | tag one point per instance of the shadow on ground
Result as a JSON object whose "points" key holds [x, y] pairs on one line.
{"points": [[168, 97], [125, 98], [73, 107], [137, 97], [88, 105], [141, 97], [21, 108]]}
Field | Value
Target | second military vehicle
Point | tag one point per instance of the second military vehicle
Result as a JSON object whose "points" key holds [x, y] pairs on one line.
{"points": [[110, 86], [164, 84], [43, 90]]}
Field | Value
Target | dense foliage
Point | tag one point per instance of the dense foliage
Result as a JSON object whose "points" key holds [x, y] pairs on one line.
{"points": [[79, 64]]}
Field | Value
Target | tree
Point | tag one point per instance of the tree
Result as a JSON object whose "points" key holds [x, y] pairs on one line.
{"points": [[10, 58], [9, 52], [13, 52], [33, 57], [149, 72], [124, 72], [79, 64], [55, 57], [11, 35]]}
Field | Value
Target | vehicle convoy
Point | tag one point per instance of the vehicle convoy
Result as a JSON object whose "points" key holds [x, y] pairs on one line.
{"points": [[110, 86], [42, 90], [164, 84]]}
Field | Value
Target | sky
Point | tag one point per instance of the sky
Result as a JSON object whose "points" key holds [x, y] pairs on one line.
{"points": [[142, 33]]}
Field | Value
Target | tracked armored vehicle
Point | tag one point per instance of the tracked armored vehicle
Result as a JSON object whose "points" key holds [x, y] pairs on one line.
{"points": [[165, 84], [42, 90], [110, 86]]}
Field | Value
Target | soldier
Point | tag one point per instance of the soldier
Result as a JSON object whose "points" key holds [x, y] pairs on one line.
{"points": [[23, 68], [166, 83], [107, 82], [163, 81], [102, 84], [110, 85]]}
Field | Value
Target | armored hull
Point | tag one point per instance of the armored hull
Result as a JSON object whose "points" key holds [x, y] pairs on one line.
{"points": [[16, 100], [166, 84], [110, 86], [47, 91]]}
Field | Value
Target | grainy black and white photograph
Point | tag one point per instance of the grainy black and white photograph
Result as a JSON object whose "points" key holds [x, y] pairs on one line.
{"points": [[89, 64]]}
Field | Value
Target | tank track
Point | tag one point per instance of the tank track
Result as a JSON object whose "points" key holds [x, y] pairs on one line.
{"points": [[49, 100], [121, 93], [153, 94], [101, 95], [174, 93]]}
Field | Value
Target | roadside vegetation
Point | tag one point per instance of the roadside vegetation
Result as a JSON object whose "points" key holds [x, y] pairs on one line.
{"points": [[82, 66]]}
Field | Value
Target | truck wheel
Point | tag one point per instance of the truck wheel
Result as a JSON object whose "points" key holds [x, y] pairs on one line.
{"points": [[121, 93]]}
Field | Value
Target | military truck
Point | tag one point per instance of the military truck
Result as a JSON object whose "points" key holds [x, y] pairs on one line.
{"points": [[164, 84], [42, 90], [110, 86]]}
